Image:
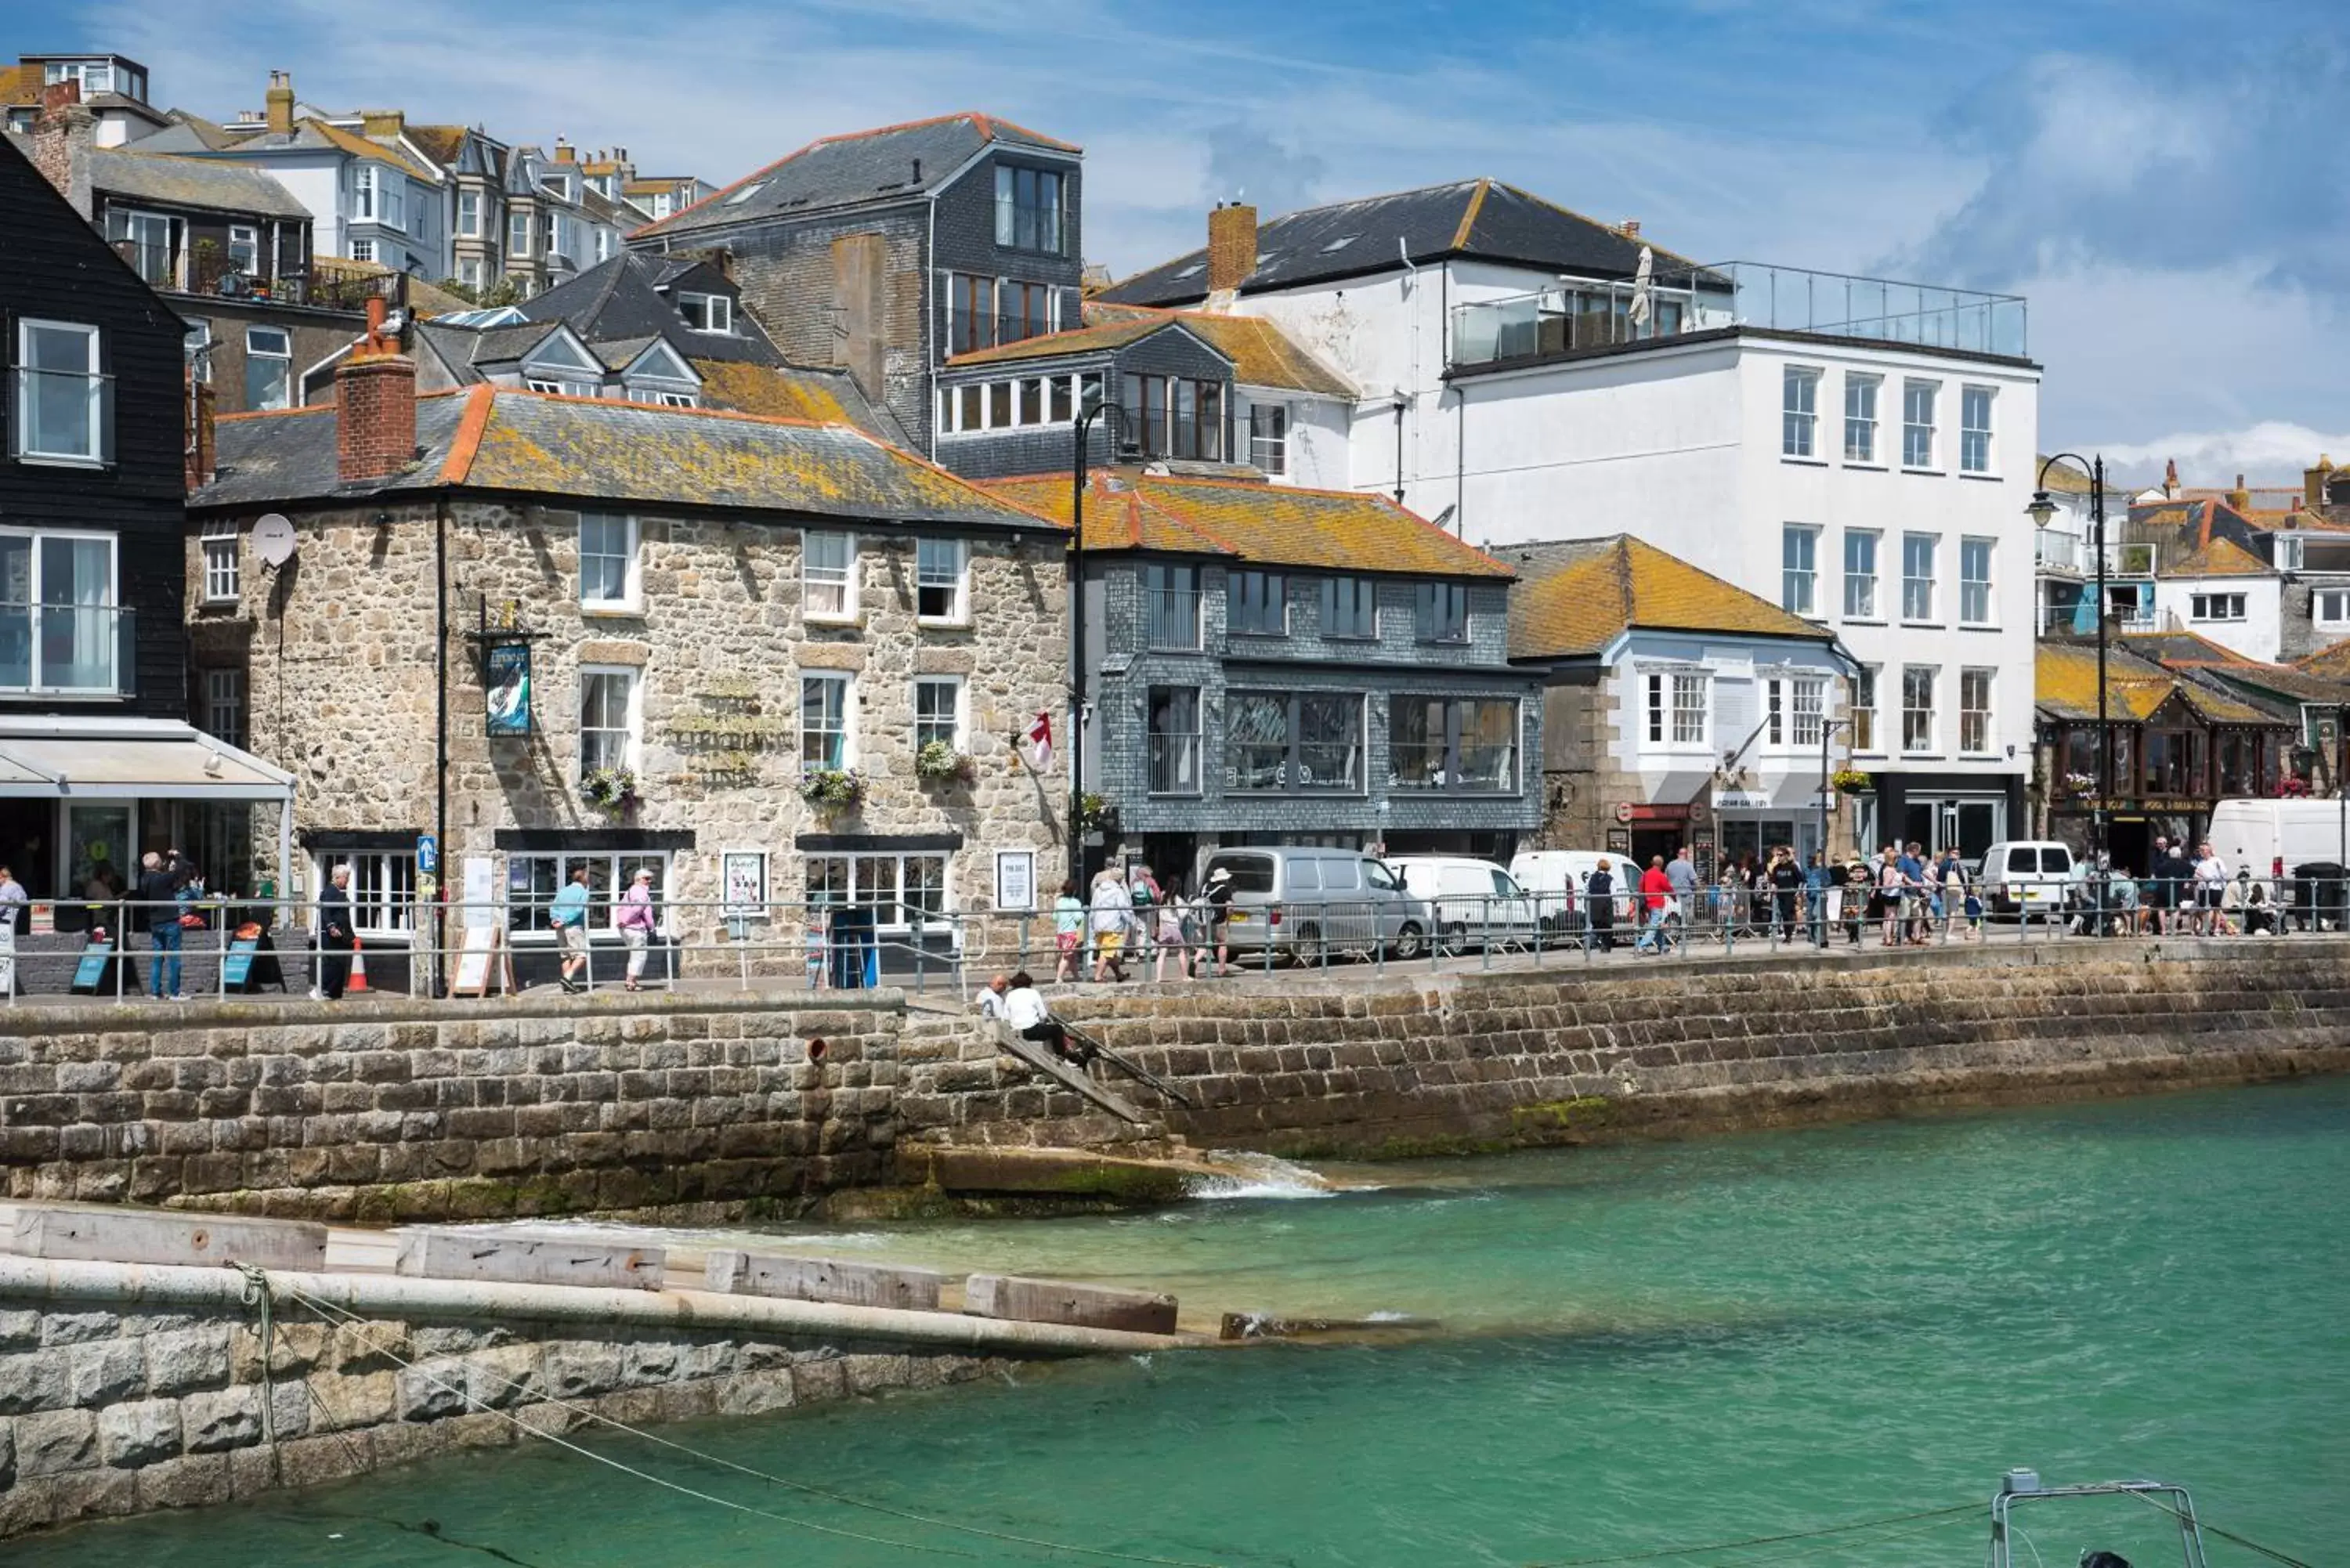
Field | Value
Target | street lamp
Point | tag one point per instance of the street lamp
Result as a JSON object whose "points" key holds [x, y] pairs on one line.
{"points": [[1098, 407], [2042, 511], [1828, 727]]}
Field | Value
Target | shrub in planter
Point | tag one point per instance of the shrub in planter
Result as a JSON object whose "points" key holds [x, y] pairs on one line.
{"points": [[940, 763]]}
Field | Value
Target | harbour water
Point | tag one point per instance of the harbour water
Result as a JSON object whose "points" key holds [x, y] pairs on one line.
{"points": [[1609, 1352]]}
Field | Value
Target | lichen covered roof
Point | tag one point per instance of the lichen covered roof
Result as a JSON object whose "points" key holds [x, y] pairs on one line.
{"points": [[2062, 479], [1577, 597], [1274, 525], [2332, 661], [587, 449], [794, 392], [2221, 558], [1093, 339], [1262, 355], [2066, 687]]}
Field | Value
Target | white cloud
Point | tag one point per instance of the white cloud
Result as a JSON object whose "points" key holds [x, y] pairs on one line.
{"points": [[2272, 452]]}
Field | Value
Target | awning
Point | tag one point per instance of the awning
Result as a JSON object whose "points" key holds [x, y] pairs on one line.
{"points": [[128, 759]]}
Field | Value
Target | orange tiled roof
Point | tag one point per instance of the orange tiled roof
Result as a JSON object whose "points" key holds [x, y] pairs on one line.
{"points": [[20, 84], [359, 146], [2332, 661], [2065, 686], [2221, 558], [1052, 345], [1274, 525], [1578, 597]]}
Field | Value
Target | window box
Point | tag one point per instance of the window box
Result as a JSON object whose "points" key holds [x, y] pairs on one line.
{"points": [[939, 763], [610, 789], [831, 790]]}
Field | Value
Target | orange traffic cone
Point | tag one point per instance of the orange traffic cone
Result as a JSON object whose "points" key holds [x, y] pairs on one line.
{"points": [[358, 970]]}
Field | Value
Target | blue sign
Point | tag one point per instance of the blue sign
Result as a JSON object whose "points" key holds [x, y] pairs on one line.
{"points": [[236, 967], [505, 680], [428, 855], [91, 972]]}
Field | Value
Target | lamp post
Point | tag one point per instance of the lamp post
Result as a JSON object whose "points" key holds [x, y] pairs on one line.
{"points": [[1098, 408], [2042, 511], [1828, 727]]}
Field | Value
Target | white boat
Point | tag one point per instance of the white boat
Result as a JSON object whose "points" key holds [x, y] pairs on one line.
{"points": [[2019, 1487]]}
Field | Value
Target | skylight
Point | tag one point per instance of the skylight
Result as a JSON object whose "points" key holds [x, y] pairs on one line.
{"points": [[1195, 270], [1340, 243], [745, 194]]}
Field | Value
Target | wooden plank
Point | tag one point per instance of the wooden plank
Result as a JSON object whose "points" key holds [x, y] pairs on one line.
{"points": [[529, 1259], [1042, 1058], [1058, 1301], [134, 1236], [822, 1280], [1133, 1069]]}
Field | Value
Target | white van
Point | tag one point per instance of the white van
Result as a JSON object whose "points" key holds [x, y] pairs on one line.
{"points": [[2270, 837], [1477, 903], [1555, 880], [2024, 876]]}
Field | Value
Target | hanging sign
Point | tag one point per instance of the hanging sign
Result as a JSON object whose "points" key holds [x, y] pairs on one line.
{"points": [[506, 674]]}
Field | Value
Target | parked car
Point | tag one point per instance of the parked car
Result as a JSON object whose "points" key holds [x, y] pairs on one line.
{"points": [[1301, 901], [1477, 903], [2026, 876]]}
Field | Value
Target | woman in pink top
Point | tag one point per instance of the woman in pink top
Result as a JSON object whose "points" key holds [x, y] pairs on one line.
{"points": [[637, 922]]}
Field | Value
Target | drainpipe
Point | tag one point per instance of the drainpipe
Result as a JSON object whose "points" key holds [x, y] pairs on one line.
{"points": [[441, 739]]}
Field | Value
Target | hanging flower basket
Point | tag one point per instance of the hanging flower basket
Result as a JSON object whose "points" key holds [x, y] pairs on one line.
{"points": [[610, 789], [2076, 786], [940, 763], [1095, 813], [1849, 781], [832, 789]]}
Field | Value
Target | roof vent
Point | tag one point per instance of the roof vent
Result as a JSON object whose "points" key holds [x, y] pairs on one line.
{"points": [[918, 170]]}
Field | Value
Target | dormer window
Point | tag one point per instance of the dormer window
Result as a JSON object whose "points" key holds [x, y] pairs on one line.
{"points": [[707, 312], [1028, 210], [97, 77]]}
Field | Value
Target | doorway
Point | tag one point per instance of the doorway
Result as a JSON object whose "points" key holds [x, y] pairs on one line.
{"points": [[1972, 824], [29, 845]]}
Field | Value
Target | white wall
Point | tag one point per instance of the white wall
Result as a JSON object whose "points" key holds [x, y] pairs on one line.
{"points": [[2260, 635]]}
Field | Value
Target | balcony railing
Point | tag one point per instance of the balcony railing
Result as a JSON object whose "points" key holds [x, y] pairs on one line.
{"points": [[2055, 552], [2062, 621], [1172, 619], [62, 416], [82, 651], [1174, 765]]}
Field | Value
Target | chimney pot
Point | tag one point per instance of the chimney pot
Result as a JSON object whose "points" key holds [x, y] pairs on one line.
{"points": [[280, 112], [1631, 228], [1231, 247]]}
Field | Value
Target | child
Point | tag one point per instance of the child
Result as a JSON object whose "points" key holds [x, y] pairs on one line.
{"points": [[1068, 931]]}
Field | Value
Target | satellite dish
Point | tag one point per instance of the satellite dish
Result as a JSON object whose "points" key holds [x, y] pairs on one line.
{"points": [[273, 538]]}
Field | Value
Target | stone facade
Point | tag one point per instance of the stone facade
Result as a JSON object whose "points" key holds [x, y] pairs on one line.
{"points": [[106, 1412], [340, 660]]}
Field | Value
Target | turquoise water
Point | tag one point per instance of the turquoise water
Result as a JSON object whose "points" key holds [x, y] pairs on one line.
{"points": [[1635, 1349]]}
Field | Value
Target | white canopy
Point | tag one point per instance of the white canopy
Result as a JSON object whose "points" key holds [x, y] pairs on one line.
{"points": [[126, 758]]}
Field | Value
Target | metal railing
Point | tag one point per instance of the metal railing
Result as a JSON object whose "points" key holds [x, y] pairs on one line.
{"points": [[1172, 619], [1840, 305]]}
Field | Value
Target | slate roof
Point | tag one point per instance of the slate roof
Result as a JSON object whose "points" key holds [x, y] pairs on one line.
{"points": [[2066, 687], [2221, 558], [2176, 648], [1482, 218], [621, 298], [860, 166], [1262, 355], [1275, 524], [309, 135], [192, 183], [499, 439], [1577, 597], [796, 392]]}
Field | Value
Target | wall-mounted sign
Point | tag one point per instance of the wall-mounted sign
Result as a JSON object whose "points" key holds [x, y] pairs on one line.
{"points": [[1741, 800], [505, 673], [742, 882], [1015, 880]]}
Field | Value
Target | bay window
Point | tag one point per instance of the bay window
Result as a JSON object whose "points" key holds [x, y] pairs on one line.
{"points": [[1679, 708], [1293, 740]]}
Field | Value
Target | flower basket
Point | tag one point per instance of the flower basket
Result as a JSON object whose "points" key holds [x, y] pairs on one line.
{"points": [[1095, 813], [610, 789], [940, 763], [2074, 786], [1849, 781], [832, 789]]}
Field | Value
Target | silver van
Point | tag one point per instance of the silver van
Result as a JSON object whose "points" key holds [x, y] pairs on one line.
{"points": [[1302, 901]]}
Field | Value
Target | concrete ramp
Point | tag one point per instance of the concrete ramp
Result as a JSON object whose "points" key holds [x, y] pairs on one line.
{"points": [[1043, 1059]]}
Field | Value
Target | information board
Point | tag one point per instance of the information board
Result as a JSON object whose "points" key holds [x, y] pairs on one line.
{"points": [[89, 975], [237, 964]]}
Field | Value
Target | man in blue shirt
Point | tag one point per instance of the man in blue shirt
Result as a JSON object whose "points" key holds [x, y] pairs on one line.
{"points": [[568, 915], [1913, 894], [1816, 882]]}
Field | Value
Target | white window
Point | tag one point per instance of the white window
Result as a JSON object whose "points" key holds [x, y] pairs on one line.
{"points": [[1974, 709], [940, 573], [1860, 573], [61, 624], [1918, 575], [533, 880], [224, 705], [899, 888], [62, 403], [363, 250], [563, 389], [672, 400], [243, 247], [518, 227], [1800, 394], [607, 717], [1795, 710], [1864, 708], [220, 562], [199, 351], [1268, 437], [469, 214], [825, 736], [269, 368], [364, 198], [1860, 418], [608, 561], [938, 712], [1918, 707], [2330, 606], [1679, 709], [470, 271], [395, 201], [828, 576], [1917, 424], [382, 890], [707, 312], [1799, 568], [2215, 607], [1974, 582], [1975, 429], [603, 244]]}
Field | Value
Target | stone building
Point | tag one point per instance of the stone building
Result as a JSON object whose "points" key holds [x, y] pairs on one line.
{"points": [[496, 596], [1268, 664], [1679, 709]]}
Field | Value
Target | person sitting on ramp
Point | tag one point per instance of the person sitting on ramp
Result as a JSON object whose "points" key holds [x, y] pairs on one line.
{"points": [[1026, 1011]]}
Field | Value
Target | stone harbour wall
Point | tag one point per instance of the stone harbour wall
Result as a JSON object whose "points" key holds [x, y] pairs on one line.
{"points": [[105, 1412]]}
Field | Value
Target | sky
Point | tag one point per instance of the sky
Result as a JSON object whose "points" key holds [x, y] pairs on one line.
{"points": [[2168, 181]]}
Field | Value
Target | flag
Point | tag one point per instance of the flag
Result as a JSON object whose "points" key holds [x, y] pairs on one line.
{"points": [[1036, 747], [1642, 280]]}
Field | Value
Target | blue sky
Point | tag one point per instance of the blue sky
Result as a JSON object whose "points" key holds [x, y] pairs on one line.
{"points": [[2167, 180]]}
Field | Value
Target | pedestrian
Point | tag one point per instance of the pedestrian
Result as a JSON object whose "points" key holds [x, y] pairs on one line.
{"points": [[1600, 893], [1656, 887], [2160, 894], [637, 923], [1142, 890], [1911, 864], [2210, 875], [159, 890], [14, 901], [1681, 871], [1174, 940], [1859, 900], [1786, 879], [1219, 900], [1031, 1019], [568, 915], [1891, 893], [1068, 931], [1112, 913], [1817, 881], [1951, 880], [336, 937], [989, 1000]]}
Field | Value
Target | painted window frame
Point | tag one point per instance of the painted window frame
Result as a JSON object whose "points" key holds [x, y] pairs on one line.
{"points": [[97, 449], [220, 542], [1975, 717], [1975, 437], [1799, 574], [1256, 602], [1439, 614], [258, 397], [1864, 552], [1799, 412], [617, 745], [1176, 755], [630, 598], [224, 703], [950, 575], [831, 743], [1920, 594], [2218, 609], [1918, 436], [1921, 725], [717, 312], [1348, 603], [1269, 438], [836, 583], [926, 728], [1975, 593], [1860, 426]]}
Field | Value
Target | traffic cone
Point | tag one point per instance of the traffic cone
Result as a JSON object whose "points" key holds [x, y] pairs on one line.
{"points": [[358, 970]]}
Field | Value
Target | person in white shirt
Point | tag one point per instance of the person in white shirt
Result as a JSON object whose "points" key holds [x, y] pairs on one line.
{"points": [[2211, 888], [1025, 1011], [1113, 912], [989, 1000]]}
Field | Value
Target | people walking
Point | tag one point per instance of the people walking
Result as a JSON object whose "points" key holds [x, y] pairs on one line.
{"points": [[1656, 887], [1817, 881], [1174, 937], [1600, 894], [568, 915], [336, 937], [2210, 884], [637, 923], [1682, 872], [1112, 912], [1069, 932], [1142, 930]]}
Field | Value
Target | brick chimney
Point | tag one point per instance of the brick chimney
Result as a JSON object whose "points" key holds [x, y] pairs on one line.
{"points": [[382, 124], [2239, 498], [564, 152], [280, 112], [62, 138], [200, 444], [375, 411], [1232, 247], [2312, 480]]}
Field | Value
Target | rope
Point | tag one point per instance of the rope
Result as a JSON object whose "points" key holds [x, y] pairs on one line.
{"points": [[2271, 1553], [839, 1498], [1937, 1514], [257, 1292]]}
